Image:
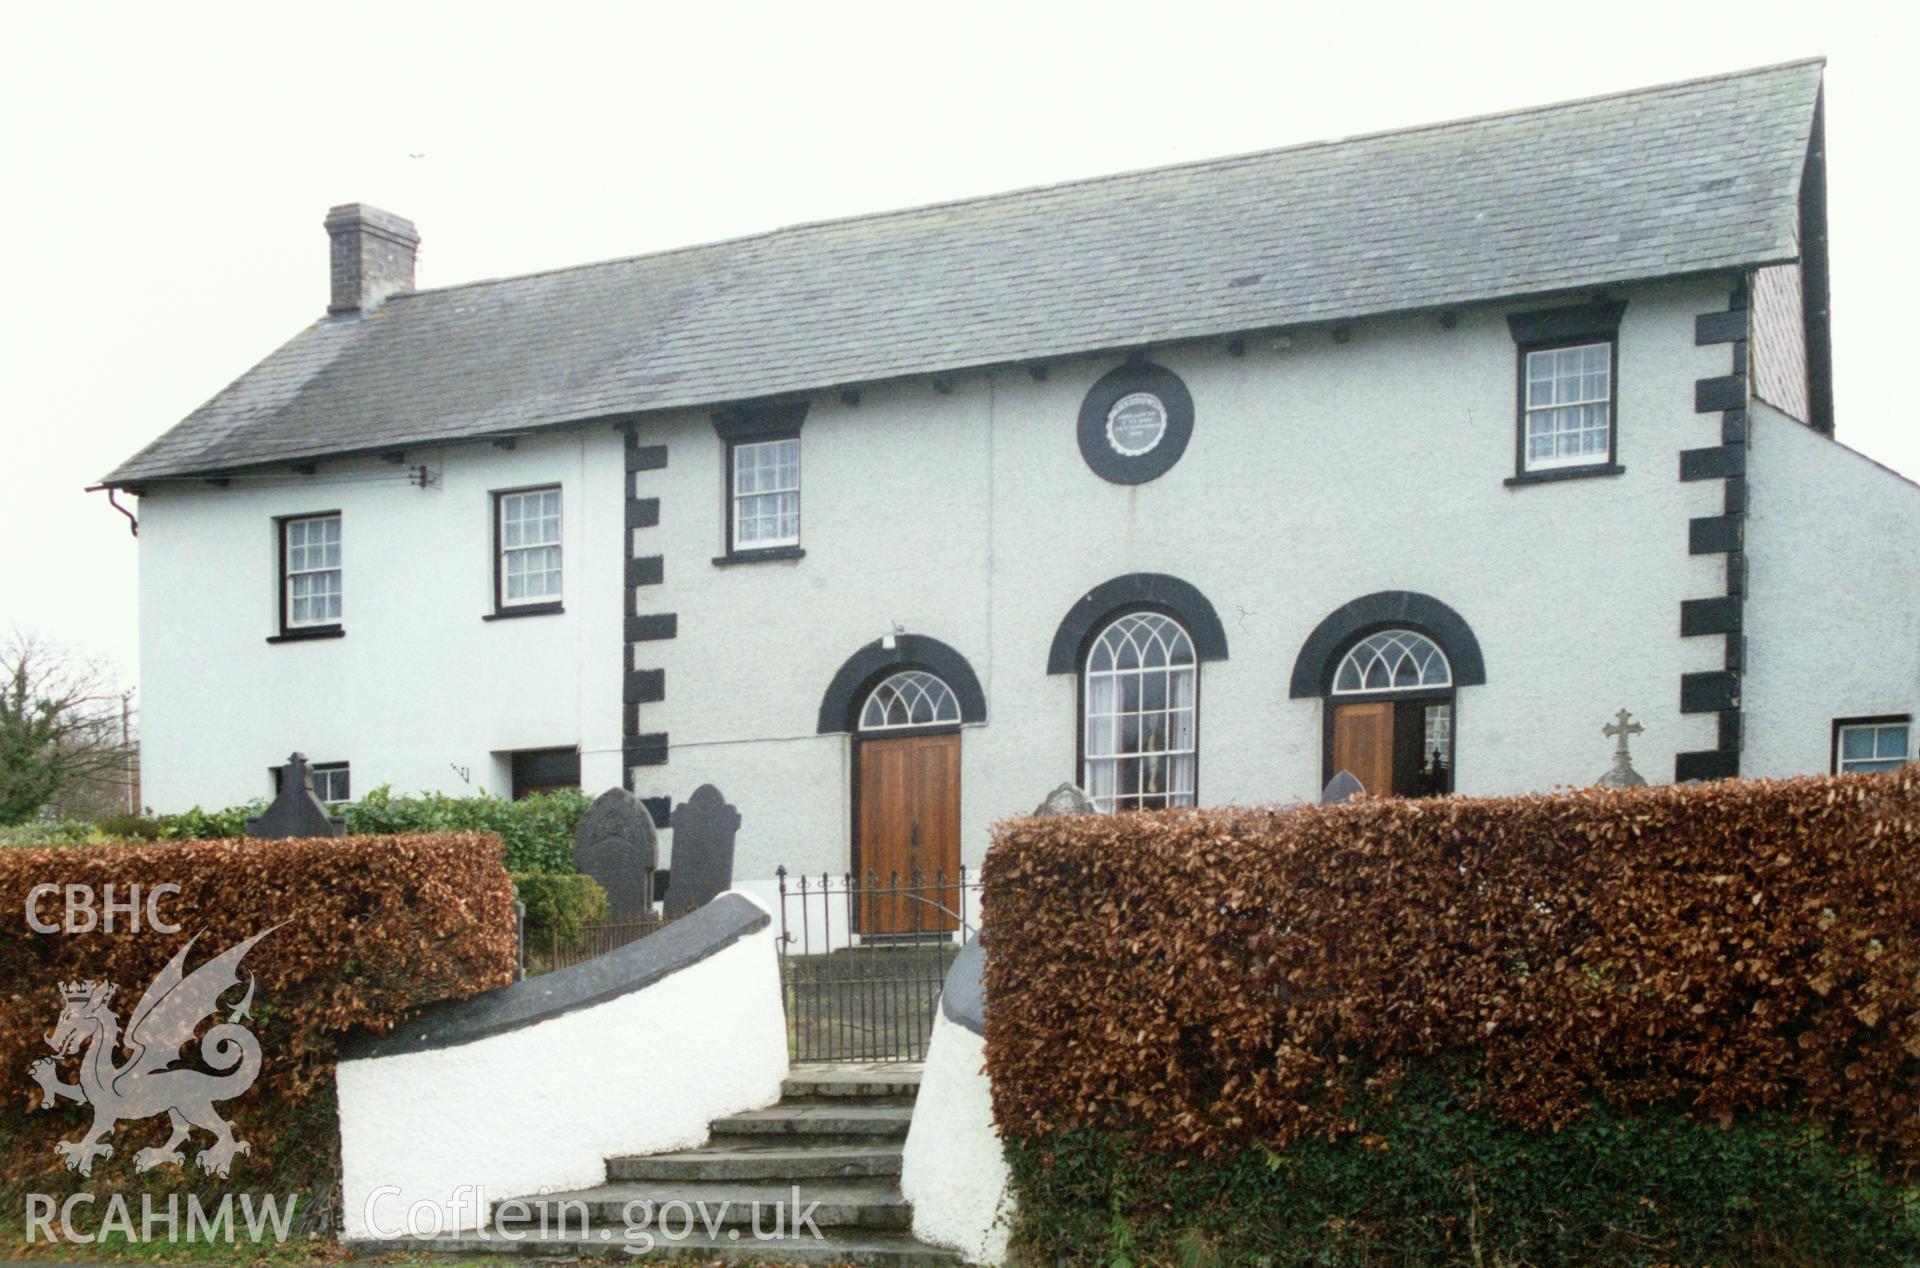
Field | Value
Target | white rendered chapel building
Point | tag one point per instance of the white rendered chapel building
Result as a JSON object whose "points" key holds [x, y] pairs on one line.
{"points": [[1417, 455]]}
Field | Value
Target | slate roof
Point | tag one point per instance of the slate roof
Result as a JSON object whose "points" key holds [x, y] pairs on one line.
{"points": [[1685, 178]]}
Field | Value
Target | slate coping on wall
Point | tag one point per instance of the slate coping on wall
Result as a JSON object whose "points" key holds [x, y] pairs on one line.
{"points": [[962, 997], [679, 945]]}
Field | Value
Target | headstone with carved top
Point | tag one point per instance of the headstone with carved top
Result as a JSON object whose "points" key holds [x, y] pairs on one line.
{"points": [[1341, 789], [704, 827], [1623, 775], [296, 813], [616, 845], [1066, 800]]}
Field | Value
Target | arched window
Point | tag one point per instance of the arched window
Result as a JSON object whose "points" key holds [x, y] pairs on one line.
{"points": [[1392, 660], [1140, 685], [909, 698], [1397, 734]]}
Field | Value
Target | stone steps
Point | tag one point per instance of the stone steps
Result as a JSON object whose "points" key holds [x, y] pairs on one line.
{"points": [[869, 1249], [829, 1151], [845, 1121], [869, 1202], [769, 1163]]}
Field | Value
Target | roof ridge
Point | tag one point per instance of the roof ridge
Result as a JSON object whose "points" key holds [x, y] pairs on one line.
{"points": [[1216, 161]]}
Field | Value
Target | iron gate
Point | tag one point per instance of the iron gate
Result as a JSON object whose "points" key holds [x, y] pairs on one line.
{"points": [[862, 960]]}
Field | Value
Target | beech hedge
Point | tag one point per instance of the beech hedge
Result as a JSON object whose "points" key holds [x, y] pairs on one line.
{"points": [[1203, 986], [368, 930]]}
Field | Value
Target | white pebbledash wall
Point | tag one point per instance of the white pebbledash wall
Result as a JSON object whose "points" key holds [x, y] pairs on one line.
{"points": [[421, 693], [1833, 613], [1316, 474], [545, 1105]]}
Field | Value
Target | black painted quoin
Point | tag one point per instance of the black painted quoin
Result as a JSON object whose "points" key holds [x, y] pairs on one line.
{"points": [[640, 683], [1135, 423], [1718, 691]]}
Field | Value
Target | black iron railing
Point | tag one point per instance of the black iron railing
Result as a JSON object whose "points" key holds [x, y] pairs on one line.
{"points": [[862, 960], [549, 950]]}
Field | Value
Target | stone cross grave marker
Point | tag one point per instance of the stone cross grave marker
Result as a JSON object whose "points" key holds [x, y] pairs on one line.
{"points": [[295, 813], [616, 845], [704, 827], [1622, 775]]}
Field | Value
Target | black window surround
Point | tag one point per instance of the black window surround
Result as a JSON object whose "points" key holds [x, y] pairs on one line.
{"points": [[1878, 719], [748, 425], [1136, 591], [298, 633], [1569, 327], [541, 769], [503, 611], [867, 667]]}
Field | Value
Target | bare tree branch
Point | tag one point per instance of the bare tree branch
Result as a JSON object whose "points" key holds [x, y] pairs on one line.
{"points": [[63, 725]]}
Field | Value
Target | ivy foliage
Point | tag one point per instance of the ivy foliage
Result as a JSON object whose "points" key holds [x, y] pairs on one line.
{"points": [[1427, 1179]]}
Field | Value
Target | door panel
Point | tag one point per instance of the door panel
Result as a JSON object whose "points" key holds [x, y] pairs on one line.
{"points": [[1363, 743], [909, 825]]}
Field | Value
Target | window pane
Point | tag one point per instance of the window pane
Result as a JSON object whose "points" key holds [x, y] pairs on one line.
{"points": [[1856, 742], [1893, 741]]}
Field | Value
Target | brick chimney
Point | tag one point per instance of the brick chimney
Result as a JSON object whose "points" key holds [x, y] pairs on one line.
{"points": [[373, 253]]}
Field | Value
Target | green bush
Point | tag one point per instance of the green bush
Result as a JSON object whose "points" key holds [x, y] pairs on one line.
{"points": [[208, 825], [129, 828], [1421, 1178], [537, 830], [557, 905], [49, 832]]}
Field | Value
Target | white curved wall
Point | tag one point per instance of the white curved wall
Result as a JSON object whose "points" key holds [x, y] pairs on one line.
{"points": [[545, 1105], [954, 1172]]}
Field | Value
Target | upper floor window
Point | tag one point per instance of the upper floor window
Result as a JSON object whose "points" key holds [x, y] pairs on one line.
{"points": [[1568, 397], [310, 572], [1569, 406], [527, 537], [766, 493], [1871, 744], [1140, 738]]}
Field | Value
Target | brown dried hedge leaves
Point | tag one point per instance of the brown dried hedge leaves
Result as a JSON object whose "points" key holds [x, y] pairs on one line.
{"points": [[1208, 979], [370, 929]]}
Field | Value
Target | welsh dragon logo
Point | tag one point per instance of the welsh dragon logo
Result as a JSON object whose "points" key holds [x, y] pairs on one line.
{"points": [[162, 1024]]}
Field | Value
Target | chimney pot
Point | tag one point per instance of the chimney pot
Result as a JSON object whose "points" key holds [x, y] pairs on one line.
{"points": [[372, 257]]}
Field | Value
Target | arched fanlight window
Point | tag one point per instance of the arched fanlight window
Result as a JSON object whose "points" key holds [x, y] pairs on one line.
{"points": [[1392, 660], [1141, 680], [911, 697]]}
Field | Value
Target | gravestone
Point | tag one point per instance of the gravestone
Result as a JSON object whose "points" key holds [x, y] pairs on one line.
{"points": [[295, 813], [1065, 800], [1622, 775], [704, 827], [1341, 789], [616, 845]]}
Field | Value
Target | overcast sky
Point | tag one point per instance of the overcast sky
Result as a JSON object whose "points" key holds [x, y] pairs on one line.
{"points": [[169, 165]]}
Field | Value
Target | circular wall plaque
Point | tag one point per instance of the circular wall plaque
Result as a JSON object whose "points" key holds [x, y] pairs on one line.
{"points": [[1135, 423]]}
